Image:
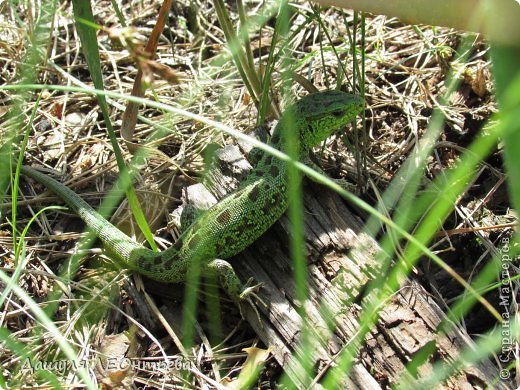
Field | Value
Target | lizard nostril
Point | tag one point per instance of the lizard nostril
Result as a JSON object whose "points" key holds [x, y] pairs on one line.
{"points": [[338, 113]]}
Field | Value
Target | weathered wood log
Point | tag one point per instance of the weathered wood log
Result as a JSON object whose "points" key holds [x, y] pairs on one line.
{"points": [[341, 262]]}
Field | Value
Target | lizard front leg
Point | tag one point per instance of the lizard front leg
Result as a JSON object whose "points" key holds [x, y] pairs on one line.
{"points": [[346, 185]]}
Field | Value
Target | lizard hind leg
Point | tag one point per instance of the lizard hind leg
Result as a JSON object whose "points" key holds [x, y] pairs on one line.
{"points": [[240, 293]]}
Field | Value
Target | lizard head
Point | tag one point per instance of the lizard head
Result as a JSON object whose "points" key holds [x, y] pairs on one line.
{"points": [[321, 114]]}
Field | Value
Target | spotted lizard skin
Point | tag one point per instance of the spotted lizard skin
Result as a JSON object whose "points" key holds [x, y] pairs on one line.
{"points": [[236, 221]]}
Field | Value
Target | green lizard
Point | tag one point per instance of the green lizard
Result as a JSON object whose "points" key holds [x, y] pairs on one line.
{"points": [[236, 221]]}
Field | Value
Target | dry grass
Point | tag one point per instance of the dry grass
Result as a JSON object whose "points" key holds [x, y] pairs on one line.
{"points": [[404, 75]]}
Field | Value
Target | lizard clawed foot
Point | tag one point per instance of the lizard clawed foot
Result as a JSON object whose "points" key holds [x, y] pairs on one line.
{"points": [[249, 296], [238, 292], [347, 186]]}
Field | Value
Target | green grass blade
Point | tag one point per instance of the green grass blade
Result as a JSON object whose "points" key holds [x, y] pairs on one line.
{"points": [[416, 243], [46, 322], [506, 69], [247, 73], [16, 179], [83, 11], [37, 37]]}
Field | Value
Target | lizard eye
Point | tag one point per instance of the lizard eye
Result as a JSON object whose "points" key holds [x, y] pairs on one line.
{"points": [[338, 113]]}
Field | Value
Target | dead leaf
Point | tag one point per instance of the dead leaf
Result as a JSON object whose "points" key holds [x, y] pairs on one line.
{"points": [[478, 84], [256, 358], [90, 158]]}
